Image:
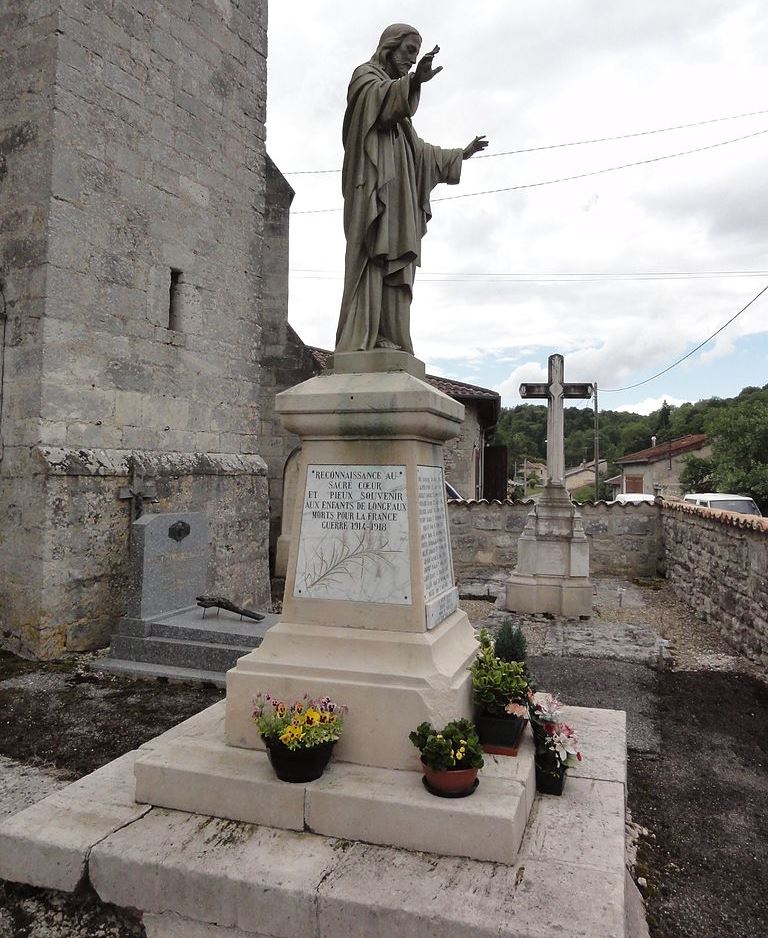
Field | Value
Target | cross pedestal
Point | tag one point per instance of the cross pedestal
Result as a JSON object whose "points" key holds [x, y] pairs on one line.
{"points": [[552, 572]]}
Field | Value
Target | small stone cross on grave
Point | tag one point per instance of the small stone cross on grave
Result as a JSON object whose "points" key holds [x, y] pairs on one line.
{"points": [[555, 391]]}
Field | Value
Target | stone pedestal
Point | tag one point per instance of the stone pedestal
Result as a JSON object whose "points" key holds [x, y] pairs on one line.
{"points": [[552, 573], [370, 614]]}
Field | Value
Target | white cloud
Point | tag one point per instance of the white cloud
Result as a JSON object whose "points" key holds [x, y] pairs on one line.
{"points": [[529, 75], [649, 405], [510, 387]]}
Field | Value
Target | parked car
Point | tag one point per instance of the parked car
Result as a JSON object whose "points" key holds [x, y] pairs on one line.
{"points": [[742, 504], [632, 498]]}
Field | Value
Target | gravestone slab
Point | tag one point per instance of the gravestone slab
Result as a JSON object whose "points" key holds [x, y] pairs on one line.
{"points": [[169, 562]]}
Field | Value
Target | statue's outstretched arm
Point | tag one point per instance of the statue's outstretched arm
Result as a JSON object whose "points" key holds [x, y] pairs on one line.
{"points": [[475, 146]]}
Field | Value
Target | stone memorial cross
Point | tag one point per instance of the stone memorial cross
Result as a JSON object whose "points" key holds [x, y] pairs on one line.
{"points": [[555, 391]]}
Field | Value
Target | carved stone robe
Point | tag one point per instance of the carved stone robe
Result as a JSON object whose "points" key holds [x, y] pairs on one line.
{"points": [[388, 175]]}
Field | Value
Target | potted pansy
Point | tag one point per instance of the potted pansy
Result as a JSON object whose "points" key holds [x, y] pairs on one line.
{"points": [[500, 695], [450, 757], [299, 736], [556, 743]]}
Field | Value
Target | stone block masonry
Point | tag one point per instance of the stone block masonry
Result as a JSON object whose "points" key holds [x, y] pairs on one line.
{"points": [[132, 193], [717, 563], [624, 540], [66, 578]]}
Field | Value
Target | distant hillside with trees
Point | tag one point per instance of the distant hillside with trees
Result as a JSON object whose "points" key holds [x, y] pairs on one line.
{"points": [[737, 426]]}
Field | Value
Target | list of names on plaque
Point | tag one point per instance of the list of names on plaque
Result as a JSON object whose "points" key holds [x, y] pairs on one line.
{"points": [[353, 543], [435, 539]]}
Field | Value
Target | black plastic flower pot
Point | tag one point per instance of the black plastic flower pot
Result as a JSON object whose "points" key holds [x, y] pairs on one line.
{"points": [[298, 765], [550, 773], [500, 734]]}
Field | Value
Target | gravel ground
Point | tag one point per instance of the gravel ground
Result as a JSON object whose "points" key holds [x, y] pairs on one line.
{"points": [[698, 751]]}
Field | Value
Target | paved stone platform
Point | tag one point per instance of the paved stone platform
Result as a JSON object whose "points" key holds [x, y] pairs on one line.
{"points": [[203, 877]]}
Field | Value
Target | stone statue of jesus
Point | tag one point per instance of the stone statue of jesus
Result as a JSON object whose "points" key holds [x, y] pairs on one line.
{"points": [[388, 175]]}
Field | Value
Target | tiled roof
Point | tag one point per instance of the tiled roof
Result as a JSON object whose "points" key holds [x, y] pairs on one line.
{"points": [[665, 450], [461, 388], [733, 518], [321, 355]]}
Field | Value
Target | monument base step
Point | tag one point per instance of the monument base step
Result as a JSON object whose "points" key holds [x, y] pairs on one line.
{"points": [[203, 775], [192, 875]]}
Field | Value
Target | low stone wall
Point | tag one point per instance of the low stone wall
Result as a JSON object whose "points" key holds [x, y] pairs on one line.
{"points": [[717, 563], [64, 544], [624, 540]]}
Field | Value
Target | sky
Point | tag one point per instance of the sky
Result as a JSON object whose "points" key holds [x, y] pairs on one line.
{"points": [[622, 272]]}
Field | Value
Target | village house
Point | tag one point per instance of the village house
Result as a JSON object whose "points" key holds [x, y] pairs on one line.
{"points": [[656, 470], [582, 475]]}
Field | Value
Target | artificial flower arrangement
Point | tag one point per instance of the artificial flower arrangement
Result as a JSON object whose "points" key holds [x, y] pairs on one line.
{"points": [[500, 693], [556, 743], [450, 757], [299, 736]]}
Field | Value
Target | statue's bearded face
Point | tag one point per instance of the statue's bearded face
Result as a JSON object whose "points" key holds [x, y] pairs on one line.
{"points": [[403, 57]]}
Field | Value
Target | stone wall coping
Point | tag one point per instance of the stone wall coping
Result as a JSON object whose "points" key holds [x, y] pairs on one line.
{"points": [[731, 518], [63, 461], [469, 502]]}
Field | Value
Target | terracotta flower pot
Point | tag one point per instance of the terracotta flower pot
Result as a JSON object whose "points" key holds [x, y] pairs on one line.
{"points": [[450, 782], [298, 765]]}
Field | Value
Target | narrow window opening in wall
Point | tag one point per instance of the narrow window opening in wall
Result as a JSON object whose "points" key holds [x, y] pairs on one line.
{"points": [[174, 300], [3, 323]]}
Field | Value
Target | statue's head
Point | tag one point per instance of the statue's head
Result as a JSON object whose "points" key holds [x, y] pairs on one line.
{"points": [[398, 49]]}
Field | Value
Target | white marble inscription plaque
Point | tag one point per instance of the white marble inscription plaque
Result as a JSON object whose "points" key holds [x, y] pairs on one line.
{"points": [[441, 597], [353, 543], [438, 609]]}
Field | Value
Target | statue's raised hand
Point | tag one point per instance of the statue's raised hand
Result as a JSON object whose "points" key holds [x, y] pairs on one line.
{"points": [[424, 71], [475, 146]]}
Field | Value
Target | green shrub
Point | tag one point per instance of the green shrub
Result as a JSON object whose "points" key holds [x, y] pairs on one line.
{"points": [[510, 644], [496, 683]]}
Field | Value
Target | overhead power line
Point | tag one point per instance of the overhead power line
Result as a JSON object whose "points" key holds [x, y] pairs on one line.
{"points": [[572, 143], [674, 364], [551, 182], [597, 172], [311, 273]]}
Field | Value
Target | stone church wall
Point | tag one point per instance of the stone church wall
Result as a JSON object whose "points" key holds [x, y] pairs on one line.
{"points": [[717, 564], [286, 361], [132, 186]]}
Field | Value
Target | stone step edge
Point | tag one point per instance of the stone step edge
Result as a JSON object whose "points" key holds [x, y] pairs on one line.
{"points": [[389, 807], [164, 640], [145, 669]]}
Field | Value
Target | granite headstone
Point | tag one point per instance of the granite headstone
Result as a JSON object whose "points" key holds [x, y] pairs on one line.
{"points": [[169, 562]]}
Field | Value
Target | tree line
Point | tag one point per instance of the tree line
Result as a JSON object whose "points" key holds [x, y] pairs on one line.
{"points": [[737, 427]]}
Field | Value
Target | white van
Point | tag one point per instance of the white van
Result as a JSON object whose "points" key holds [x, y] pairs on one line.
{"points": [[742, 504], [633, 498]]}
